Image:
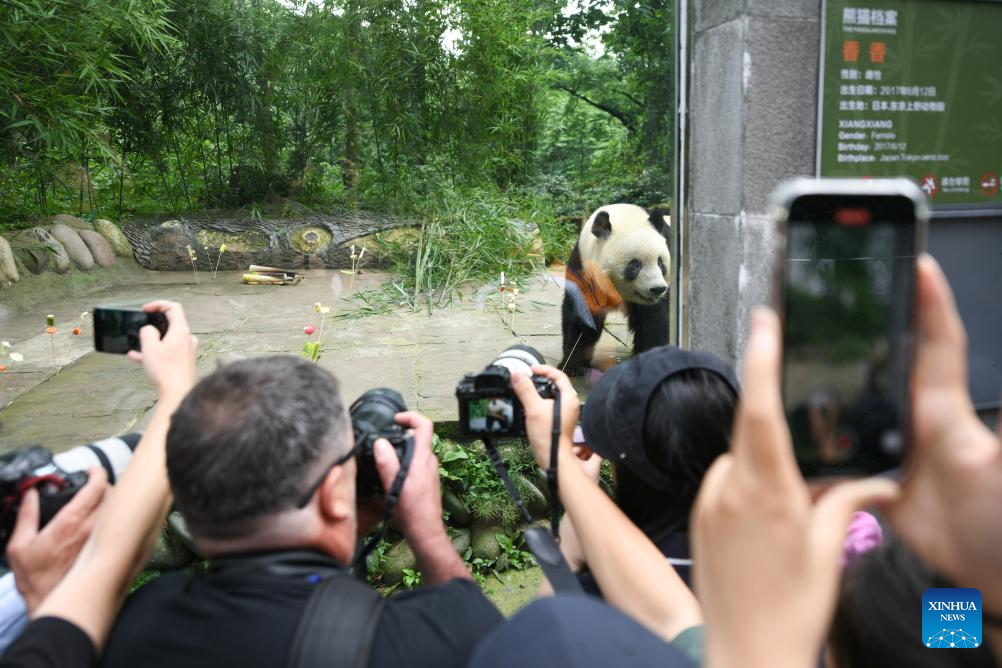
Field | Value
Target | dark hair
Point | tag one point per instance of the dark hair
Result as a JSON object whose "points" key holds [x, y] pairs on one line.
{"points": [[687, 425], [247, 440], [878, 617]]}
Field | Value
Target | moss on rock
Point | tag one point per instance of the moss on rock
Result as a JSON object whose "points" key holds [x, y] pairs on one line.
{"points": [[249, 241], [310, 240]]}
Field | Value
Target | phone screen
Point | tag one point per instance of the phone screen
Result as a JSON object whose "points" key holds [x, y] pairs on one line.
{"points": [[117, 330], [849, 291]]}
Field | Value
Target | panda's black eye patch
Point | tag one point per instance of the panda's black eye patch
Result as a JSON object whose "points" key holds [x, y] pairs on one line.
{"points": [[633, 269], [661, 266]]}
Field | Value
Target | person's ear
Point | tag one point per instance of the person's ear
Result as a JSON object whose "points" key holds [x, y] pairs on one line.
{"points": [[337, 493]]}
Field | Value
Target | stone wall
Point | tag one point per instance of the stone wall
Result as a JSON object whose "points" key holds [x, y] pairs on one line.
{"points": [[752, 123]]}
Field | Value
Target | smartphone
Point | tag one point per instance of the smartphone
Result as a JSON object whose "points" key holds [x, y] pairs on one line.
{"points": [[846, 295], [117, 330]]}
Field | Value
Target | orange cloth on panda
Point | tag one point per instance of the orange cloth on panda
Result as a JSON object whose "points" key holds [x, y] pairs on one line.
{"points": [[599, 293]]}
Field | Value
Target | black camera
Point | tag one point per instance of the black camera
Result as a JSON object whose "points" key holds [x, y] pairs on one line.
{"points": [[487, 402], [56, 477], [372, 418]]}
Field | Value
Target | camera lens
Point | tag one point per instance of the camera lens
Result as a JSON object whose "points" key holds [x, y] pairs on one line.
{"points": [[371, 417], [373, 412], [519, 358], [112, 454]]}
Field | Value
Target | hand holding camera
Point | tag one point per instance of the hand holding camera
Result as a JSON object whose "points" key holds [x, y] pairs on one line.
{"points": [[169, 361], [419, 511], [394, 453], [41, 554], [487, 403], [539, 410]]}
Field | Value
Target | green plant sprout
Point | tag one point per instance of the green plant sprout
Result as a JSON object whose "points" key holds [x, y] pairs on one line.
{"points": [[311, 350]]}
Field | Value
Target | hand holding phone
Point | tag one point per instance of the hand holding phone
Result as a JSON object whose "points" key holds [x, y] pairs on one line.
{"points": [[117, 330], [846, 294]]}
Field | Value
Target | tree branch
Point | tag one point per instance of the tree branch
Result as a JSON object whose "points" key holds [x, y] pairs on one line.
{"points": [[618, 114]]}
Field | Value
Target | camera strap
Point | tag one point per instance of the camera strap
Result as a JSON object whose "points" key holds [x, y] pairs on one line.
{"points": [[543, 544], [551, 470], [392, 498]]}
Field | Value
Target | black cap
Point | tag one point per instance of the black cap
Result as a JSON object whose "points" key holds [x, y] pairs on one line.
{"points": [[574, 631], [613, 417]]}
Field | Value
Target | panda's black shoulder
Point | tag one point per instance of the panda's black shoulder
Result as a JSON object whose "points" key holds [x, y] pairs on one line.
{"points": [[575, 261]]}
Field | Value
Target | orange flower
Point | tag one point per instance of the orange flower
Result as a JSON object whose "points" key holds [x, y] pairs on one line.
{"points": [[2, 368], [76, 331], [50, 330]]}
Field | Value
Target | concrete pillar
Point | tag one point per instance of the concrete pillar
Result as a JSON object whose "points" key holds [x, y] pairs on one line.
{"points": [[751, 124]]}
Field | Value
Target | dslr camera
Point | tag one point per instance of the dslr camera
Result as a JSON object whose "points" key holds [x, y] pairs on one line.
{"points": [[56, 477], [372, 418], [487, 403]]}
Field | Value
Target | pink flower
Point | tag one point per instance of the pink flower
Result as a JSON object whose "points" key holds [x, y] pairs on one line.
{"points": [[309, 329]]}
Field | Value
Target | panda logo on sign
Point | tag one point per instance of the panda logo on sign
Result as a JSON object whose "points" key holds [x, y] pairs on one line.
{"points": [[620, 262]]}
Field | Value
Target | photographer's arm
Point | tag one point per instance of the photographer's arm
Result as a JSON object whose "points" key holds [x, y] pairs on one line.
{"points": [[91, 593], [419, 511], [633, 574]]}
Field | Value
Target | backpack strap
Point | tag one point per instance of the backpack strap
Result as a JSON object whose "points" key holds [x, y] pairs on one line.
{"points": [[338, 626]]}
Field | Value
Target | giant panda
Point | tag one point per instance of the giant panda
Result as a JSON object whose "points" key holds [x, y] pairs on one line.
{"points": [[620, 261]]}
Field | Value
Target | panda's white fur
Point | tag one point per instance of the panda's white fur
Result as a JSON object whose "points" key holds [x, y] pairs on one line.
{"points": [[633, 237]]}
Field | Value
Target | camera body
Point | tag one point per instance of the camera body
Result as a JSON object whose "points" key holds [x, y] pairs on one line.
{"points": [[31, 467], [372, 417], [56, 477], [117, 330], [487, 403]]}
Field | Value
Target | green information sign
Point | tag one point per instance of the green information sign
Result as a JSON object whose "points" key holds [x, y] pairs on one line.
{"points": [[914, 88]]}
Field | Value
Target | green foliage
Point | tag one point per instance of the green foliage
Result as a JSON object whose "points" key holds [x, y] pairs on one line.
{"points": [[517, 557], [145, 576], [412, 578], [467, 469]]}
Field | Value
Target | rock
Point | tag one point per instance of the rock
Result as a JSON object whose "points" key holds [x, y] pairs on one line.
{"points": [[535, 500], [114, 237], [59, 261], [459, 514], [74, 245], [33, 254], [542, 484], [179, 529], [98, 247], [8, 267], [502, 562], [169, 553], [70, 221], [485, 543], [398, 557], [461, 540]]}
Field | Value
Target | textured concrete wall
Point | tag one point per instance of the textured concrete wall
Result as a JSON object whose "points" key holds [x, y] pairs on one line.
{"points": [[752, 122]]}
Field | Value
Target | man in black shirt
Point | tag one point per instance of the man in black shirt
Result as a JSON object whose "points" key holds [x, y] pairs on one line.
{"points": [[261, 462]]}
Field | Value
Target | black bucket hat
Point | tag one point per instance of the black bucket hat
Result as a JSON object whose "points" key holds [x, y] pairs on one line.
{"points": [[613, 416]]}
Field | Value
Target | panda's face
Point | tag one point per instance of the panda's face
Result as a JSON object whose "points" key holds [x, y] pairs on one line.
{"points": [[638, 266], [623, 240]]}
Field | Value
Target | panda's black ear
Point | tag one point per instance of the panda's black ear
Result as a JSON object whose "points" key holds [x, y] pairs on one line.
{"points": [[601, 227], [660, 219]]}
